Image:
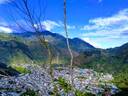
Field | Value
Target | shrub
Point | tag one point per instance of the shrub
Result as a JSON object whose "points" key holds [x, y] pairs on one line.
{"points": [[21, 69]]}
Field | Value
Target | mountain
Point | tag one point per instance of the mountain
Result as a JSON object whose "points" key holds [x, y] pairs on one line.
{"points": [[109, 60], [81, 45], [58, 40], [8, 49], [57, 43], [25, 47], [120, 52], [20, 47]]}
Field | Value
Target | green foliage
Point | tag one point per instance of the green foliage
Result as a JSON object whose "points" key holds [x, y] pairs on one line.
{"points": [[4, 36], [8, 37], [56, 91], [64, 85], [68, 88], [30, 93], [19, 58], [121, 79], [110, 64], [79, 93], [21, 69]]}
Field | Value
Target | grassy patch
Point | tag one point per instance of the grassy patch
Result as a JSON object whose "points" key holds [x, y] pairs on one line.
{"points": [[21, 69]]}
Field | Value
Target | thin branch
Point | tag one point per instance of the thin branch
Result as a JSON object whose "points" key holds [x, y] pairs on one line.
{"points": [[67, 41]]}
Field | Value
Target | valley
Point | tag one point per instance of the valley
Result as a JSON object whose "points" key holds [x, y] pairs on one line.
{"points": [[94, 68]]}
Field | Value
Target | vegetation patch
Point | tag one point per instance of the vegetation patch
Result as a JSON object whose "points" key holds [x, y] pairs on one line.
{"points": [[21, 69]]}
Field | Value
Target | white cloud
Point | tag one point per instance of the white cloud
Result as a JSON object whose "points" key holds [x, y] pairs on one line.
{"points": [[46, 25], [50, 25], [4, 26], [90, 41], [102, 23], [5, 29], [108, 28]]}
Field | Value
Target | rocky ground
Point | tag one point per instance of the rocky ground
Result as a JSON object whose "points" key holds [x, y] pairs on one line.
{"points": [[40, 81]]}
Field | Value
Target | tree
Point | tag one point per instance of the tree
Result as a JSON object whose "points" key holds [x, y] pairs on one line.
{"points": [[32, 17], [67, 41]]}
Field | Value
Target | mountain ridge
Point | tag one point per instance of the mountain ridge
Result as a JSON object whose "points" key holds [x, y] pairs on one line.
{"points": [[84, 53]]}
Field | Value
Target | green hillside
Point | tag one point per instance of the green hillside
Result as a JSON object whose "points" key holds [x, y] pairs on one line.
{"points": [[25, 48], [110, 60]]}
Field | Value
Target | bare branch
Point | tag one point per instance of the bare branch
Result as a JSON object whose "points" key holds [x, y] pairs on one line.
{"points": [[67, 40]]}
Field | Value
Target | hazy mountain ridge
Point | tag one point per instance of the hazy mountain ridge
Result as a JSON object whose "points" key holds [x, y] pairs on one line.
{"points": [[110, 60], [27, 46], [58, 40], [9, 48]]}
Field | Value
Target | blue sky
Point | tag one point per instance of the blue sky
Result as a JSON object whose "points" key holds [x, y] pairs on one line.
{"points": [[102, 23]]}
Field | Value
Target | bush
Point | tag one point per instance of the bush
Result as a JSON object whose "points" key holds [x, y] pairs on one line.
{"points": [[63, 84], [21, 69]]}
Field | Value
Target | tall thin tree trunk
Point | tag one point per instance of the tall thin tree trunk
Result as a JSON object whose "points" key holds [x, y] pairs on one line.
{"points": [[68, 43]]}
